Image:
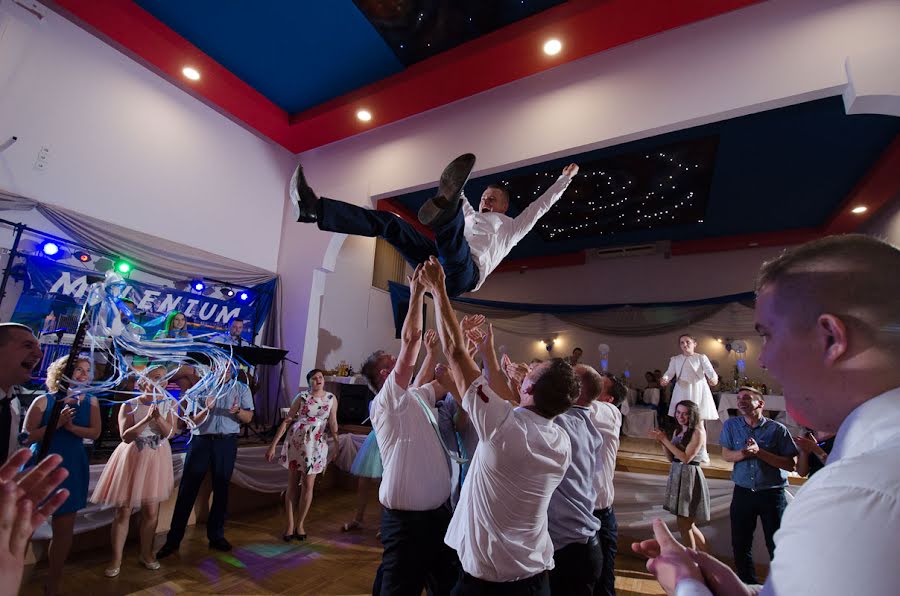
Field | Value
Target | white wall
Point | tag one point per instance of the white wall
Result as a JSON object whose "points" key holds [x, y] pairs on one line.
{"points": [[768, 55], [128, 147]]}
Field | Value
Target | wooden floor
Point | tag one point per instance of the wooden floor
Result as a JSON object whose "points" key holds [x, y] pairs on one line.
{"points": [[329, 562]]}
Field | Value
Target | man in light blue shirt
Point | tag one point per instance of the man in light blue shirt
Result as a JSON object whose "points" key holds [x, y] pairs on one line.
{"points": [[763, 452], [577, 556], [213, 446]]}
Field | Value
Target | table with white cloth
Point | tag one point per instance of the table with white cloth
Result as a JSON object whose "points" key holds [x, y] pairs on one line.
{"points": [[638, 421], [774, 404], [631, 396], [651, 396]]}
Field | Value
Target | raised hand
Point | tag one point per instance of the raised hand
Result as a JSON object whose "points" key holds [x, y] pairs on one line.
{"points": [[432, 274], [471, 322], [657, 435], [431, 341], [718, 576], [570, 170], [517, 372], [752, 448], [805, 444], [66, 415], [415, 281], [668, 560], [20, 495]]}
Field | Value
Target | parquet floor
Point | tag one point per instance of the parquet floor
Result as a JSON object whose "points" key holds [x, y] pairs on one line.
{"points": [[329, 562]]}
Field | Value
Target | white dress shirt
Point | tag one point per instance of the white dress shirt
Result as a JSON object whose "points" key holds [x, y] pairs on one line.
{"points": [[499, 528], [608, 420], [15, 419], [416, 475], [841, 534], [492, 235]]}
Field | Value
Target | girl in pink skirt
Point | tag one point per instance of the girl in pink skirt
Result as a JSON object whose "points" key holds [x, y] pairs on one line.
{"points": [[139, 472]]}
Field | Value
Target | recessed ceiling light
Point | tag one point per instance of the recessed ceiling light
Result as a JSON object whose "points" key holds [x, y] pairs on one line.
{"points": [[552, 47], [860, 209], [191, 73], [364, 115]]}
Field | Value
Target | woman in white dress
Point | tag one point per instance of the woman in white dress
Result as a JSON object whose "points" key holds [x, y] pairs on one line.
{"points": [[692, 371]]}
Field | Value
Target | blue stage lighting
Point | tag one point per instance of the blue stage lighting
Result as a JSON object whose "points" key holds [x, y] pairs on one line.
{"points": [[51, 249], [244, 296], [198, 285]]}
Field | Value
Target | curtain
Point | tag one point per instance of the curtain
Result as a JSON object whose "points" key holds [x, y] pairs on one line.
{"points": [[720, 315]]}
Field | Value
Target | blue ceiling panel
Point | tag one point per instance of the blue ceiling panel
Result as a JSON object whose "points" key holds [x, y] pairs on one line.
{"points": [[297, 53]]}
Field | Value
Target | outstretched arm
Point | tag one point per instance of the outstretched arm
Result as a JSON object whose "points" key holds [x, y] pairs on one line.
{"points": [[411, 336], [426, 371], [530, 215], [462, 366]]}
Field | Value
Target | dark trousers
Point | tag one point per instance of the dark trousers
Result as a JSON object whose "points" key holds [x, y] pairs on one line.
{"points": [[608, 534], [536, 585], [415, 556], [450, 244], [746, 506], [215, 453], [577, 568]]}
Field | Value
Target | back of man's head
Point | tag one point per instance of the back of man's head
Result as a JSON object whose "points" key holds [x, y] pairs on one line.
{"points": [[591, 384], [829, 311], [371, 370], [852, 276], [556, 388]]}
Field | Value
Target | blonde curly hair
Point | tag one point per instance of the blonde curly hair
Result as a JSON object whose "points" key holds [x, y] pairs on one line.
{"points": [[55, 371]]}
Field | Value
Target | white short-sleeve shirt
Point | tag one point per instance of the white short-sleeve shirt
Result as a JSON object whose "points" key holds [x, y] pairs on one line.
{"points": [[608, 420], [499, 528], [416, 475]]}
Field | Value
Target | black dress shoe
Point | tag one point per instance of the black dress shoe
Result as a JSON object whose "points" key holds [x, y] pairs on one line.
{"points": [[303, 199], [299, 537], [439, 210], [220, 544], [165, 551]]}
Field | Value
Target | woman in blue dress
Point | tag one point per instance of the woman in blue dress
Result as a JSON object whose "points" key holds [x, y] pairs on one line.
{"points": [[79, 420]]}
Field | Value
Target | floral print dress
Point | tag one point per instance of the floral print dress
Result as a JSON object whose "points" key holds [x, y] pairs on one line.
{"points": [[305, 448]]}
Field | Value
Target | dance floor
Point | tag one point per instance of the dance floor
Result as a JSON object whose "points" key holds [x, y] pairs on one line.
{"points": [[329, 562]]}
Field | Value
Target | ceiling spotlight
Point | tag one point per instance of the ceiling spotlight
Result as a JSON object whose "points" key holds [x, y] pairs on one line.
{"points": [[227, 292], [50, 249], [552, 47], [191, 73], [82, 256], [198, 285], [860, 209], [244, 296], [364, 115]]}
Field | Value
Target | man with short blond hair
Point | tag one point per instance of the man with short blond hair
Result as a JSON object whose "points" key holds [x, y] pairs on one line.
{"points": [[829, 313]]}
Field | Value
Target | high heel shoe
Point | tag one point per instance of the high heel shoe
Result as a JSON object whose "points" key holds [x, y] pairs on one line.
{"points": [[300, 537], [112, 571]]}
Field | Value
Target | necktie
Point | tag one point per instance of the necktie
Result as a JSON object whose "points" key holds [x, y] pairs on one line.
{"points": [[5, 424]]}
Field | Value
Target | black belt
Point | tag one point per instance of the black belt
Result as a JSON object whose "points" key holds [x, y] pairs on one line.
{"points": [[220, 435]]}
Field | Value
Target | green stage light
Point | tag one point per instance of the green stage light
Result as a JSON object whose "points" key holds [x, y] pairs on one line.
{"points": [[123, 266]]}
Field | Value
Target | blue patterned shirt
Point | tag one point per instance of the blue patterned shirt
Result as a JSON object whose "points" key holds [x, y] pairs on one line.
{"points": [[753, 473]]}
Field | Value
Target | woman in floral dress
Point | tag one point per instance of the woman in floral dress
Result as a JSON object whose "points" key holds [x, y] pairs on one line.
{"points": [[305, 452]]}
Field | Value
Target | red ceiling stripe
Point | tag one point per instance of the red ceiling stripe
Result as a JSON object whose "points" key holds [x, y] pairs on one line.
{"points": [[878, 188], [584, 26]]}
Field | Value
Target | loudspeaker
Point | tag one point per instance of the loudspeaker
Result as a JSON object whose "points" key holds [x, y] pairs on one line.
{"points": [[353, 404]]}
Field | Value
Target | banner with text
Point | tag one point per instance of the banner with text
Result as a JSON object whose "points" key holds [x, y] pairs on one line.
{"points": [[54, 292]]}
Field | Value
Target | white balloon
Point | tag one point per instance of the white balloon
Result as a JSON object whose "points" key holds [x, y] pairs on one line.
{"points": [[604, 348]]}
